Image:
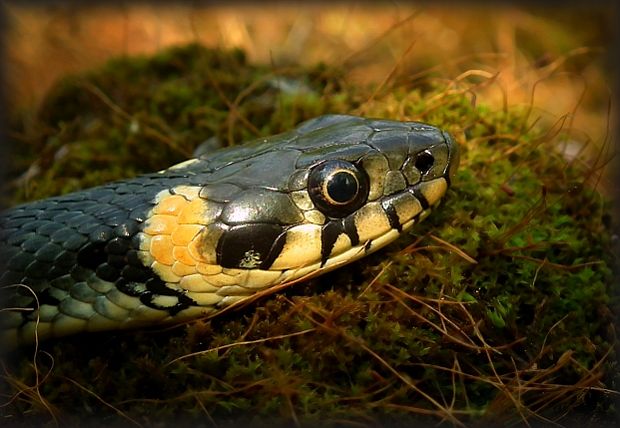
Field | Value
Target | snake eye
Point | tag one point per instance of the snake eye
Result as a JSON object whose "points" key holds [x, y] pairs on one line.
{"points": [[424, 161], [337, 188]]}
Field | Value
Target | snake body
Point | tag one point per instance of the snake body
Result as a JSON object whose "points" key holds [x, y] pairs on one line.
{"points": [[197, 237]]}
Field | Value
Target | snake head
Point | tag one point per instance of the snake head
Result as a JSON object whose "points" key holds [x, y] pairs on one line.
{"points": [[301, 203], [214, 230]]}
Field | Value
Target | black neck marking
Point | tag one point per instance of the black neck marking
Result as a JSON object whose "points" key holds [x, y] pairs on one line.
{"points": [[332, 230], [420, 197], [392, 216]]}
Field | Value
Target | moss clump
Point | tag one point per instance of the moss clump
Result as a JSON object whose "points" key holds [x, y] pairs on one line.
{"points": [[495, 310]]}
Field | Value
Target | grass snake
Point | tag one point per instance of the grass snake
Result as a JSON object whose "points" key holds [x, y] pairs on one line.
{"points": [[215, 230]]}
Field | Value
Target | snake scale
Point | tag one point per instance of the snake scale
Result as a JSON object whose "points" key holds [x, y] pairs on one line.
{"points": [[195, 238]]}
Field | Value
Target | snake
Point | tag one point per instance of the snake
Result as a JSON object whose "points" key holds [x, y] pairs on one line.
{"points": [[214, 231]]}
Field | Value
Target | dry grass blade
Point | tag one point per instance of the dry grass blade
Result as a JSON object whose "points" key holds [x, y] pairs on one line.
{"points": [[457, 250], [242, 343], [34, 391]]}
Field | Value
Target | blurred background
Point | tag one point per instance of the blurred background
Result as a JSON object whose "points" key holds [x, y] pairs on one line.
{"points": [[559, 63], [558, 60]]}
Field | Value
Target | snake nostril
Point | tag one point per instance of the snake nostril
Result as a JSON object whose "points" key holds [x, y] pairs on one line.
{"points": [[424, 161]]}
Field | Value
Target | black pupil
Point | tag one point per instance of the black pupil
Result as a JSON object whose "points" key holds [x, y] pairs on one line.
{"points": [[424, 162], [342, 187]]}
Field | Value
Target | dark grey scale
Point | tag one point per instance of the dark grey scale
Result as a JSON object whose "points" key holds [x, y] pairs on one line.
{"points": [[65, 260], [420, 141], [33, 243], [133, 273], [109, 211], [275, 176], [271, 170], [92, 207], [34, 225], [392, 145], [261, 206], [231, 155], [37, 206], [107, 272], [64, 217], [11, 276], [197, 180], [130, 189], [73, 241], [37, 269], [117, 261], [42, 225], [14, 223], [116, 220], [48, 252], [63, 264], [20, 261], [59, 236], [124, 200], [88, 227], [350, 153], [73, 207], [78, 219], [48, 214], [20, 212], [92, 255], [57, 271], [64, 282], [81, 273], [389, 125], [139, 212], [103, 195], [224, 173], [17, 237], [101, 234], [118, 245], [49, 229], [220, 192], [335, 136]]}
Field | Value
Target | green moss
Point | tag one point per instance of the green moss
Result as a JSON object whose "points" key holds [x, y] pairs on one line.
{"points": [[416, 331]]}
